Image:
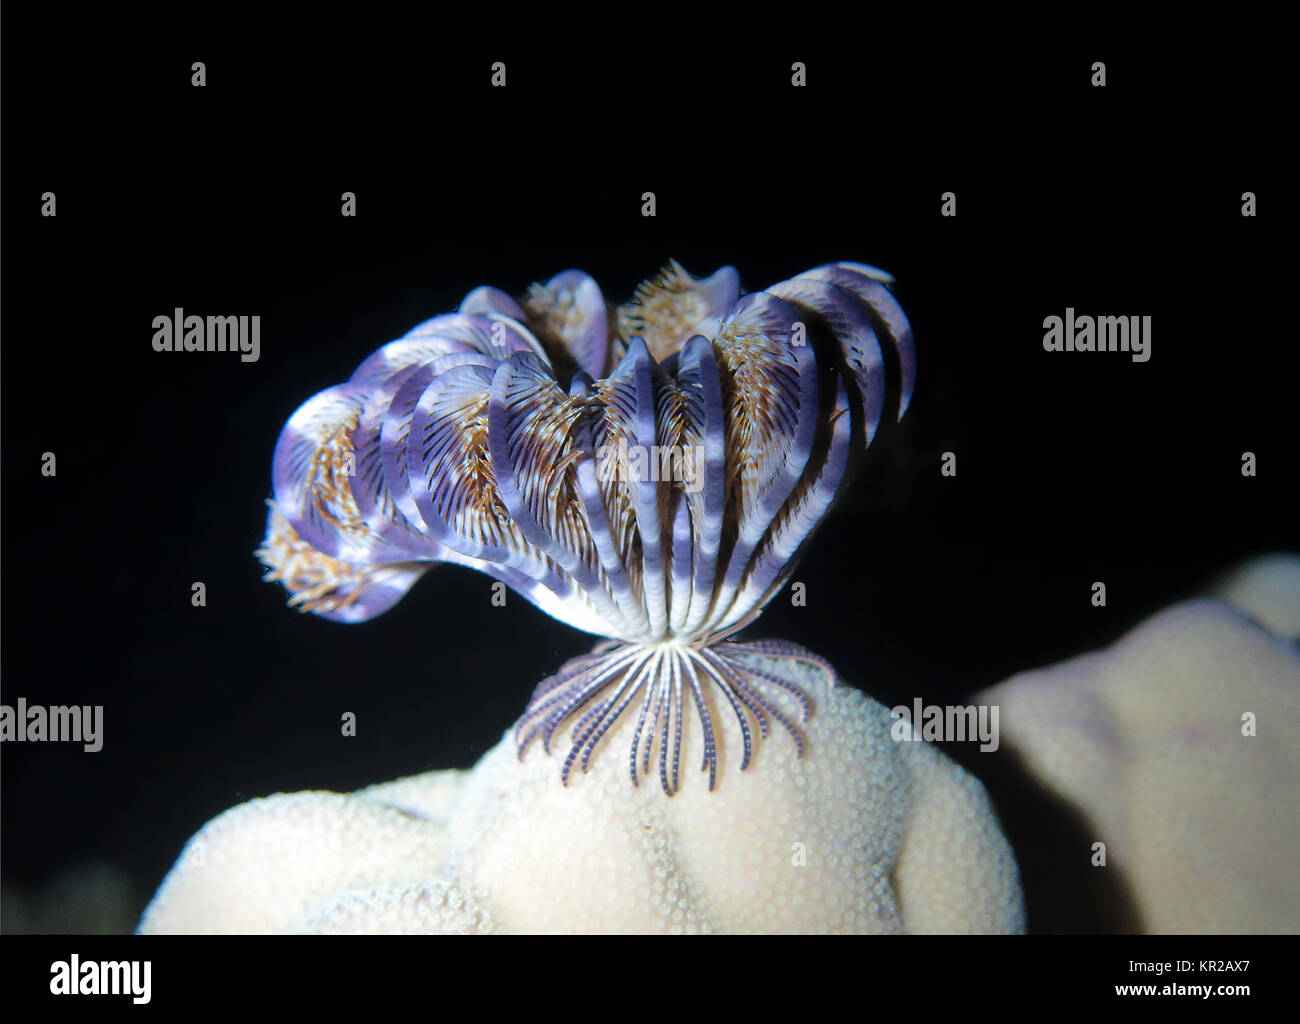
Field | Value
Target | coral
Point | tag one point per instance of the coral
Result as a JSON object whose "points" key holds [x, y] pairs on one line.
{"points": [[1146, 740], [862, 834], [1267, 589]]}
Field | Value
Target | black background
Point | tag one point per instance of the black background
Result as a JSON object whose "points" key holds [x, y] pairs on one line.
{"points": [[225, 200]]}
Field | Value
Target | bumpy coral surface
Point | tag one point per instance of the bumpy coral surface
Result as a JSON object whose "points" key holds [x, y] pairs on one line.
{"points": [[862, 834]]}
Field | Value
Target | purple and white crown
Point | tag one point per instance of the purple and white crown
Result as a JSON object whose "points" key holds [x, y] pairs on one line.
{"points": [[646, 472]]}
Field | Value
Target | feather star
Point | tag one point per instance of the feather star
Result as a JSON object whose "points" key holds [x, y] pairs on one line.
{"points": [[645, 473]]}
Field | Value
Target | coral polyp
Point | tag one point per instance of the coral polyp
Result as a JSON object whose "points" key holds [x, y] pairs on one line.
{"points": [[647, 473]]}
